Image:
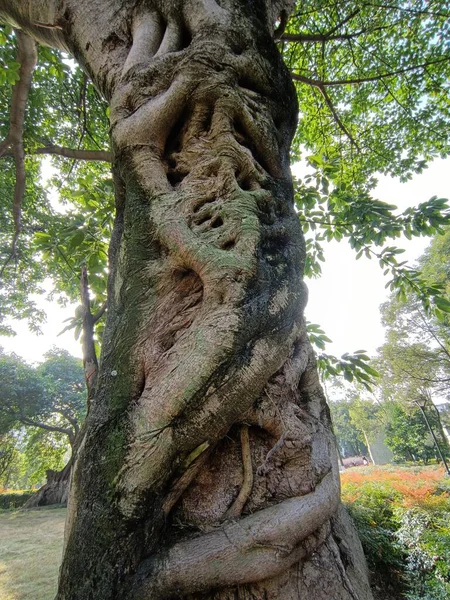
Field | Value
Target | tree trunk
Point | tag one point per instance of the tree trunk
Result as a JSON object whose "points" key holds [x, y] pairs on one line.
{"points": [[208, 469], [54, 491]]}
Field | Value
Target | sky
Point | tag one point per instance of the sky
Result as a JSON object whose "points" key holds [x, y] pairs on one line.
{"points": [[345, 301]]}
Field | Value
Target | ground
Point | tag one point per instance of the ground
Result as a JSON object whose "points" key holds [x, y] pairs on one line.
{"points": [[30, 553]]}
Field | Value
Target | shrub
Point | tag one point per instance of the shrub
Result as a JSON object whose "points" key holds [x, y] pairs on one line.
{"points": [[16, 499], [402, 516]]}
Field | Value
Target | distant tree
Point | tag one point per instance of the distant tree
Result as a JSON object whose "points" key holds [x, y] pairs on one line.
{"points": [[414, 362], [50, 397], [48, 403], [8, 458], [350, 439], [407, 434]]}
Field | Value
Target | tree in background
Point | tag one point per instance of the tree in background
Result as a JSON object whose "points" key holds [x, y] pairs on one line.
{"points": [[206, 366], [407, 434], [414, 362], [350, 440], [43, 407]]}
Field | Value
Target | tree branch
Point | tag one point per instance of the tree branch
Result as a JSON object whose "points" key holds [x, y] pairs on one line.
{"points": [[72, 420], [94, 155], [366, 79], [100, 313], [54, 428], [320, 86], [27, 57]]}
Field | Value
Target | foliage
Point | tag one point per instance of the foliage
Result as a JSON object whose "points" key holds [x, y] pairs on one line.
{"points": [[352, 367], [50, 396], [402, 518], [10, 500], [41, 410], [350, 439], [415, 362], [8, 458], [407, 434], [64, 111], [371, 81]]}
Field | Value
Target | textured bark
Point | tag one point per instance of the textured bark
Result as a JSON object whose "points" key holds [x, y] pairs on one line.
{"points": [[206, 369]]}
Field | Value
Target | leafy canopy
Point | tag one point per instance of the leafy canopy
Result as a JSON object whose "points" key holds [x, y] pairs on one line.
{"points": [[50, 397]]}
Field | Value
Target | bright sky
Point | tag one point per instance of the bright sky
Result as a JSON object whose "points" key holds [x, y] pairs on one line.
{"points": [[345, 301]]}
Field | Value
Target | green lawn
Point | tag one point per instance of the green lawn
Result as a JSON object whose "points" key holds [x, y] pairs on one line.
{"points": [[30, 553]]}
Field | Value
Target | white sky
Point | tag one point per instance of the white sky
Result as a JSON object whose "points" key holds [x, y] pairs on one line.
{"points": [[345, 301]]}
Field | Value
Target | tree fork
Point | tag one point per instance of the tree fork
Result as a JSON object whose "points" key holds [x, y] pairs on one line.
{"points": [[205, 332]]}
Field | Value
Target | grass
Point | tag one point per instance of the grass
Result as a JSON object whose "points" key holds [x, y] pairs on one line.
{"points": [[30, 553]]}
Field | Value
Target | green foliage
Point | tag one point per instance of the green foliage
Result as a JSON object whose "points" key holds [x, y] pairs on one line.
{"points": [[42, 451], [13, 500], [51, 396], [376, 521], [63, 110], [8, 459], [353, 367], [21, 392], [350, 439], [330, 210], [415, 360], [426, 534], [371, 83], [407, 434]]}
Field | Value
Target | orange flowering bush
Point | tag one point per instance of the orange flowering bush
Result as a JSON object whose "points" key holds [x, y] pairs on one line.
{"points": [[421, 487], [403, 519]]}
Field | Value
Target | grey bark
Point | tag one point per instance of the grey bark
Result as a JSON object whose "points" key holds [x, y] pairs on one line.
{"points": [[205, 336]]}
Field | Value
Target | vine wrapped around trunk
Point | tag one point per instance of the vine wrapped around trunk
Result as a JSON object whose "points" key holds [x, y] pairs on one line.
{"points": [[208, 466]]}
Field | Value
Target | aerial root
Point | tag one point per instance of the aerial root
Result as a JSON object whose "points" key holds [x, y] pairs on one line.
{"points": [[247, 484], [254, 548]]}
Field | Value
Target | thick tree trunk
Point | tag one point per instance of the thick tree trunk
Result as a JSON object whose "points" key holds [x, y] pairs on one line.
{"points": [[208, 468]]}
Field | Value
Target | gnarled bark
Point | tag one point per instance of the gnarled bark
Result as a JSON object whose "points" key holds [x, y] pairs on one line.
{"points": [[205, 336]]}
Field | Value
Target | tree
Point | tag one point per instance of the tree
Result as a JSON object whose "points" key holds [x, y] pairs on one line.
{"points": [[8, 457], [207, 467], [350, 440], [206, 364], [49, 401], [407, 434], [415, 359], [50, 397]]}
